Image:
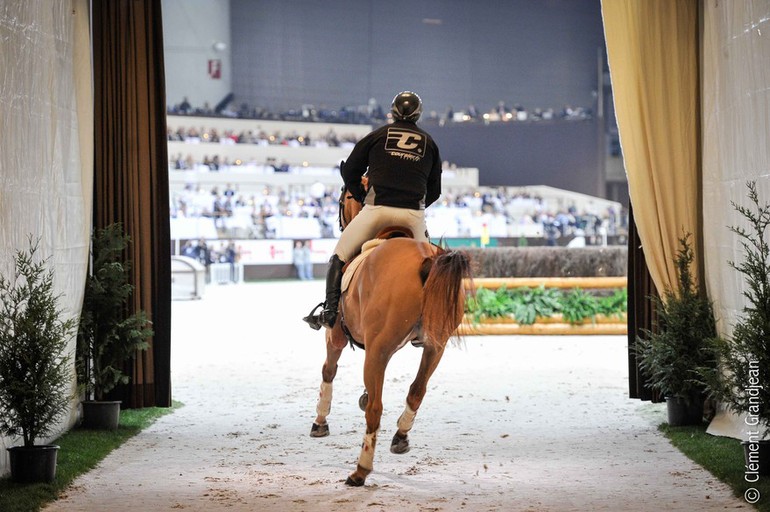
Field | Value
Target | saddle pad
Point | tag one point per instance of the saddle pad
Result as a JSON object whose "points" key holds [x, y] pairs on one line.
{"points": [[350, 271]]}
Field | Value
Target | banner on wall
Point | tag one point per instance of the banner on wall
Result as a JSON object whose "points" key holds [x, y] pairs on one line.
{"points": [[280, 252], [265, 252], [322, 249]]}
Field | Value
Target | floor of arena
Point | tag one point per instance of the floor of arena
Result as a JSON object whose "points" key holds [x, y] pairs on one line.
{"points": [[509, 423]]}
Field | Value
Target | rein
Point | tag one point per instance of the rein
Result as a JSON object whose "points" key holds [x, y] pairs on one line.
{"points": [[345, 199]]}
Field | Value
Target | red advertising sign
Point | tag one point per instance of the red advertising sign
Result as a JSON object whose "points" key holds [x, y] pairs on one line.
{"points": [[215, 69]]}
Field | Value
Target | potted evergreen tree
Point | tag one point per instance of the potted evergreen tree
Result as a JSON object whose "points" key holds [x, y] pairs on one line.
{"points": [[742, 381], [35, 368], [108, 334], [677, 348]]}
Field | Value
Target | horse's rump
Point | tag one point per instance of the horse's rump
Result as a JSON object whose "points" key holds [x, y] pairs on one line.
{"points": [[408, 287]]}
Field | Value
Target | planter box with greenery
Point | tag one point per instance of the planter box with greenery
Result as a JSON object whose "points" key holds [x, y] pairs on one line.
{"points": [[527, 306], [742, 381], [108, 334], [677, 348], [35, 368]]}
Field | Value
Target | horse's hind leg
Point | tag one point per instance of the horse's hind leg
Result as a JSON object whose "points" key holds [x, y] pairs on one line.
{"points": [[320, 428], [431, 356], [374, 375]]}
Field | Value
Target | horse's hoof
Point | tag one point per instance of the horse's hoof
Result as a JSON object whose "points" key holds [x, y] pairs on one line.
{"points": [[355, 481], [399, 445], [363, 400], [319, 430]]}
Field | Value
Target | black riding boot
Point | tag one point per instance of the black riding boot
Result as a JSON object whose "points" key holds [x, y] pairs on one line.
{"points": [[328, 315]]}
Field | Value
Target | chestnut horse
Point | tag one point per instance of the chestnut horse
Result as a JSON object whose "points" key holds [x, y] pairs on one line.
{"points": [[403, 291]]}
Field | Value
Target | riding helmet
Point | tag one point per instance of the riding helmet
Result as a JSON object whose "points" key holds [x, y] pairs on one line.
{"points": [[406, 106]]}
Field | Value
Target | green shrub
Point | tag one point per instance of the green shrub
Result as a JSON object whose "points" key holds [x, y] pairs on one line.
{"points": [[35, 368], [525, 304], [742, 381], [671, 354], [108, 335]]}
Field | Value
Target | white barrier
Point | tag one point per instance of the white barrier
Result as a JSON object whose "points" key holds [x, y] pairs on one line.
{"points": [[226, 273]]}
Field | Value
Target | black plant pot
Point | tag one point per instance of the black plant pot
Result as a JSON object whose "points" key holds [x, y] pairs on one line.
{"points": [[682, 413], [757, 453], [101, 415], [33, 464]]}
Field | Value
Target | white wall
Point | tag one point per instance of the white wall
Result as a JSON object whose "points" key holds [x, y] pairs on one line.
{"points": [[190, 30], [46, 164], [736, 120]]}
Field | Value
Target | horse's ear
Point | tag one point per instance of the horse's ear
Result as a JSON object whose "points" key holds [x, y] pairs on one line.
{"points": [[441, 244]]}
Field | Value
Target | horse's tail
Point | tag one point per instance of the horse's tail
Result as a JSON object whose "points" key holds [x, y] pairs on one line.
{"points": [[443, 302]]}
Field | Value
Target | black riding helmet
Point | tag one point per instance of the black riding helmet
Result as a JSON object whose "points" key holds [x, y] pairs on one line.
{"points": [[406, 106]]}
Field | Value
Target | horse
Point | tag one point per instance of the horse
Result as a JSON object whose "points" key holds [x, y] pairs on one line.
{"points": [[403, 291]]}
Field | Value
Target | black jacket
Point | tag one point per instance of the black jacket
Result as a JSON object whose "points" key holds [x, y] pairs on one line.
{"points": [[403, 163]]}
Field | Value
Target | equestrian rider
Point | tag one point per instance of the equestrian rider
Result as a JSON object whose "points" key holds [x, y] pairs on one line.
{"points": [[404, 171]]}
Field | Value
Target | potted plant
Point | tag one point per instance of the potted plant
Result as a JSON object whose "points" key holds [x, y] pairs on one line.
{"points": [[742, 381], [108, 333], [677, 348], [35, 368]]}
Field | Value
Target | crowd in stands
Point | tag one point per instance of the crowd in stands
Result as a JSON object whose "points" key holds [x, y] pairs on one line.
{"points": [[277, 213], [191, 135], [256, 215], [517, 113], [364, 114], [260, 137], [237, 215], [372, 113]]}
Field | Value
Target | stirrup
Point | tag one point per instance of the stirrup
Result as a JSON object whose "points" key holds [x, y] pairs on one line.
{"points": [[313, 320]]}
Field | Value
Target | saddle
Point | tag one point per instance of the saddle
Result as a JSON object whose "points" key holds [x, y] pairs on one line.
{"points": [[349, 270]]}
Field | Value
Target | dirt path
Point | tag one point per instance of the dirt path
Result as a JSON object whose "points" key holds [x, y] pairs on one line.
{"points": [[508, 424]]}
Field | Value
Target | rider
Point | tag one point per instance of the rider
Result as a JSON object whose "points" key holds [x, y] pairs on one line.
{"points": [[404, 171]]}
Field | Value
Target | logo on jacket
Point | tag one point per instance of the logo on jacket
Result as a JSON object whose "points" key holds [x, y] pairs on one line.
{"points": [[406, 144]]}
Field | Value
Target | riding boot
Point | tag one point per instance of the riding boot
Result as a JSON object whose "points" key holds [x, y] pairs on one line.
{"points": [[328, 316]]}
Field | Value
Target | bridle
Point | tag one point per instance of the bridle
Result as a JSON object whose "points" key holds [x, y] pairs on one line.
{"points": [[345, 196]]}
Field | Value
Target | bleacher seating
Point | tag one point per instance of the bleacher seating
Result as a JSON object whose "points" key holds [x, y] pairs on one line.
{"points": [[287, 188]]}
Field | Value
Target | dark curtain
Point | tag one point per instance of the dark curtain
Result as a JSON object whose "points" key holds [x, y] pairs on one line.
{"points": [[641, 310], [131, 173]]}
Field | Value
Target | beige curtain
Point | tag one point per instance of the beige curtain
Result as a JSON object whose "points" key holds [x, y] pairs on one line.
{"points": [[652, 48]]}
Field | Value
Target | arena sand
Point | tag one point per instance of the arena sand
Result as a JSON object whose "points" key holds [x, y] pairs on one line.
{"points": [[508, 424]]}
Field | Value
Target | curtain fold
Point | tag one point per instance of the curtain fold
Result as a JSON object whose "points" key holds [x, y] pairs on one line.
{"points": [[641, 311], [653, 53], [131, 173]]}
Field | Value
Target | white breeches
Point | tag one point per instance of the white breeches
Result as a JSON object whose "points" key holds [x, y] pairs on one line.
{"points": [[371, 220]]}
